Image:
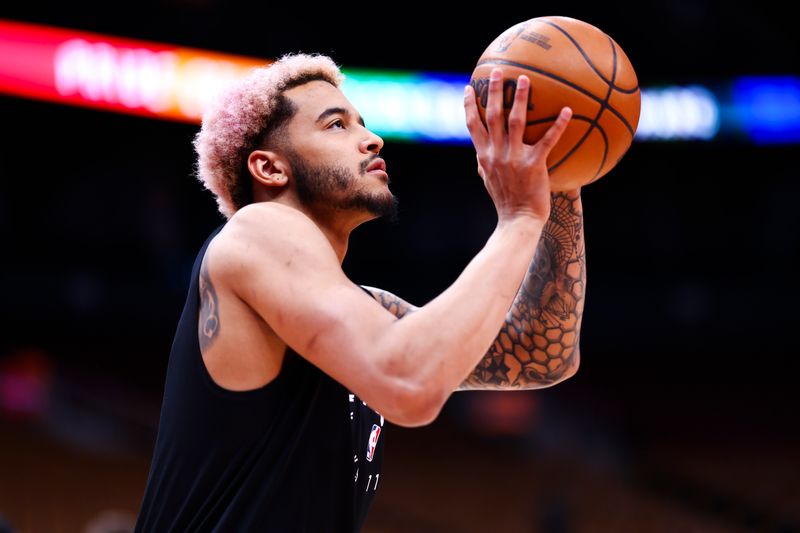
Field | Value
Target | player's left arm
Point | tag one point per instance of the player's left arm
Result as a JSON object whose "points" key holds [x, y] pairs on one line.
{"points": [[538, 346]]}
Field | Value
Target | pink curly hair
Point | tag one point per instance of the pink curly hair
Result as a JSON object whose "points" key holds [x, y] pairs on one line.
{"points": [[243, 115]]}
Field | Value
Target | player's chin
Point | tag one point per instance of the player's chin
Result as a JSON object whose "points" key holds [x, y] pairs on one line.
{"points": [[388, 207], [379, 190]]}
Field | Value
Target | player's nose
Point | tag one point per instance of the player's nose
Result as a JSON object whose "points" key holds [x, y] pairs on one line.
{"points": [[372, 142]]}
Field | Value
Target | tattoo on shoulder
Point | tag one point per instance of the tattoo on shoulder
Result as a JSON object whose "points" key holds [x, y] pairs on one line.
{"points": [[208, 323]]}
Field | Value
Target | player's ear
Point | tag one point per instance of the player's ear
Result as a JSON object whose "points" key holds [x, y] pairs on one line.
{"points": [[268, 168]]}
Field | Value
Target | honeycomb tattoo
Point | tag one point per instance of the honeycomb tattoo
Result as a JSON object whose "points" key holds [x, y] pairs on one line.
{"points": [[538, 344]]}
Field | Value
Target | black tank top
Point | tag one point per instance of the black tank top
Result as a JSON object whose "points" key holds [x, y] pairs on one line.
{"points": [[301, 453]]}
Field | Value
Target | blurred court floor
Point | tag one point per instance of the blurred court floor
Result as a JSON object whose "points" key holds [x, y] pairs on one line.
{"points": [[443, 478]]}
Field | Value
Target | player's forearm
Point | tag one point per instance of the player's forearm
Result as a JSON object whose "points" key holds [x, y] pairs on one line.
{"points": [[549, 306], [538, 344], [440, 343]]}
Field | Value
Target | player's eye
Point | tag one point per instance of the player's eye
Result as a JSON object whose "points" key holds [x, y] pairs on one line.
{"points": [[338, 121]]}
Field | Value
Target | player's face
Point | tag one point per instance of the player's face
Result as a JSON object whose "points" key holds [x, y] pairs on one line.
{"points": [[338, 187], [331, 152]]}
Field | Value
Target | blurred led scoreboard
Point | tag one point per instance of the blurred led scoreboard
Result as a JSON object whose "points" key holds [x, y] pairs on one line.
{"points": [[171, 82]]}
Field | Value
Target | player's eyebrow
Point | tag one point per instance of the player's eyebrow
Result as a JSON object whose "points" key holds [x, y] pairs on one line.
{"points": [[337, 111]]}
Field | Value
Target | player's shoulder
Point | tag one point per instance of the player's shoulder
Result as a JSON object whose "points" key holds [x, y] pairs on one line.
{"points": [[261, 234], [267, 226], [261, 219]]}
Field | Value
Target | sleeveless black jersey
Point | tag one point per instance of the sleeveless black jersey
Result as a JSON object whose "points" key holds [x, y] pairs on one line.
{"points": [[300, 454]]}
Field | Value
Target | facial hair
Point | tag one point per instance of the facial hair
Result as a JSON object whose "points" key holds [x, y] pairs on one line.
{"points": [[318, 184]]}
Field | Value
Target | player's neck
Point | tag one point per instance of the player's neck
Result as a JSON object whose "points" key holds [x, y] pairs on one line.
{"points": [[337, 225]]}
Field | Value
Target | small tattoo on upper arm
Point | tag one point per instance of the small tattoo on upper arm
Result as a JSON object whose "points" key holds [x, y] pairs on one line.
{"points": [[208, 322], [394, 304]]}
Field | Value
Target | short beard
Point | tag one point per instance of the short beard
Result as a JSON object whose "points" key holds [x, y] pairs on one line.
{"points": [[316, 185]]}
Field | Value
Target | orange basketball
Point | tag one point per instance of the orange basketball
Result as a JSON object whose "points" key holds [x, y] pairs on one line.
{"points": [[569, 63]]}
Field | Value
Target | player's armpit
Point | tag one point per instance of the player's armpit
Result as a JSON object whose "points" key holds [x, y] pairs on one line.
{"points": [[277, 260]]}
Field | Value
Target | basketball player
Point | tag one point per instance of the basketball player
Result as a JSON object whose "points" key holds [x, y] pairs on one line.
{"points": [[283, 372]]}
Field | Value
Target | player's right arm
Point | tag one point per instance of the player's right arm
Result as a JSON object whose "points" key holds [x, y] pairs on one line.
{"points": [[279, 262]]}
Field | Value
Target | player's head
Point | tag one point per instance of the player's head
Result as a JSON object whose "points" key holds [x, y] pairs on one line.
{"points": [[263, 137]]}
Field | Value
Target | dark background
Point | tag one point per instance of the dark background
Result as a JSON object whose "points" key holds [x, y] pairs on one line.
{"points": [[685, 399]]}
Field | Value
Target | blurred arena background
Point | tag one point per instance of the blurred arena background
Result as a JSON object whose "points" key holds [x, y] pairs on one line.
{"points": [[683, 415]]}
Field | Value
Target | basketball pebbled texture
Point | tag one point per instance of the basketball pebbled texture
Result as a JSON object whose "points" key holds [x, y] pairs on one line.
{"points": [[569, 63]]}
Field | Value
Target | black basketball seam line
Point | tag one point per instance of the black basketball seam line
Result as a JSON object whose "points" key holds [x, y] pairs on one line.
{"points": [[605, 106], [588, 59], [554, 117], [605, 138], [574, 117], [558, 79], [594, 122]]}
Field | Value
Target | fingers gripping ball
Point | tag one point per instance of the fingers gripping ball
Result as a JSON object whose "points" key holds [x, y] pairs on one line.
{"points": [[569, 63]]}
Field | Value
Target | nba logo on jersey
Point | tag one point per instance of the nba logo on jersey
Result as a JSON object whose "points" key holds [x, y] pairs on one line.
{"points": [[373, 441]]}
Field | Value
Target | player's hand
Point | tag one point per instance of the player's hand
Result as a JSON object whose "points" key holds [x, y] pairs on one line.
{"points": [[514, 173]]}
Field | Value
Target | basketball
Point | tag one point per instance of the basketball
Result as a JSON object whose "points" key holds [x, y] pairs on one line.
{"points": [[569, 63]]}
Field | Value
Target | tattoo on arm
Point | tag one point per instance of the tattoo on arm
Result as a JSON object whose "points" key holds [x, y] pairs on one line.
{"points": [[397, 306], [538, 345], [208, 322]]}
